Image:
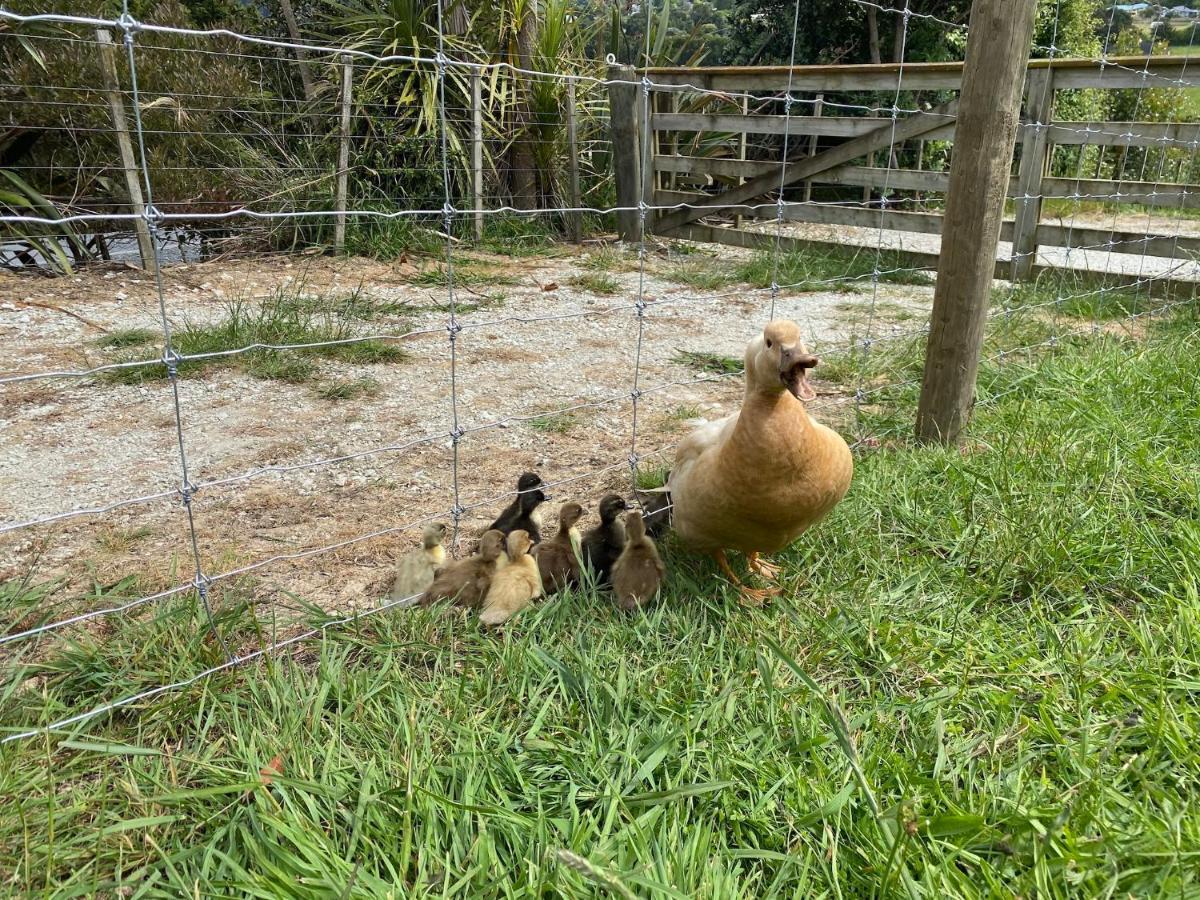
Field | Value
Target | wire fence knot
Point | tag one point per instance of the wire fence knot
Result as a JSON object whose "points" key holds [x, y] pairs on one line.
{"points": [[171, 359], [187, 491], [128, 24], [456, 434]]}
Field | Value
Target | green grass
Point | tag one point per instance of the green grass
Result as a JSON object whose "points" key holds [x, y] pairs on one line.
{"points": [[609, 259], [554, 423], [465, 275], [649, 477], [981, 681], [350, 389], [285, 317], [701, 273], [128, 337], [684, 413], [801, 270], [707, 362], [595, 282]]}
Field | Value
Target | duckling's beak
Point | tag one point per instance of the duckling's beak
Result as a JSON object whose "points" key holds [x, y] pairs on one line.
{"points": [[793, 372]]}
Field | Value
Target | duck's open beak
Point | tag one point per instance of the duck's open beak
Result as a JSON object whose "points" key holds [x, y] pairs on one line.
{"points": [[793, 372]]}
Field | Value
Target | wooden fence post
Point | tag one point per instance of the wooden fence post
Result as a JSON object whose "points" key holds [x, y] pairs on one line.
{"points": [[1035, 153], [477, 154], [623, 126], [574, 218], [133, 184], [988, 112], [343, 170]]}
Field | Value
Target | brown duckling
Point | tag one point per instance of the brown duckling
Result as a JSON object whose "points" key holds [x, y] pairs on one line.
{"points": [[638, 572], [516, 586], [524, 513], [467, 581], [415, 571], [603, 544], [558, 558]]}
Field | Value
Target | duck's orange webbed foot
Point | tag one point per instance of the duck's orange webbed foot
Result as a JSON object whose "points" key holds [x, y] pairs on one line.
{"points": [[764, 569], [747, 595]]}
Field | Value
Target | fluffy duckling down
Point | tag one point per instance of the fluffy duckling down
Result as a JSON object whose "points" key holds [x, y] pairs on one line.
{"points": [[755, 481], [639, 570], [524, 513], [514, 587], [558, 558], [604, 543], [415, 571], [467, 581]]}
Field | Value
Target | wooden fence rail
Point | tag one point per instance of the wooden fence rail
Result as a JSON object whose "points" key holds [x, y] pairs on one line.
{"points": [[841, 133]]}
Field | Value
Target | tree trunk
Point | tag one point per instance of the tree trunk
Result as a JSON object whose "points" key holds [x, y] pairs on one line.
{"points": [[289, 18], [873, 33], [523, 177], [897, 38]]}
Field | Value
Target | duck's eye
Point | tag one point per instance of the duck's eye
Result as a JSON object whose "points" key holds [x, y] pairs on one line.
{"points": [[768, 345]]}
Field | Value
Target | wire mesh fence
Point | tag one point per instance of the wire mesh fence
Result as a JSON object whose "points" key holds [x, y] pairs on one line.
{"points": [[225, 447]]}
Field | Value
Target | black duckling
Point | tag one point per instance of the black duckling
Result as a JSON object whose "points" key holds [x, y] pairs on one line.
{"points": [[524, 513], [604, 543], [638, 571]]}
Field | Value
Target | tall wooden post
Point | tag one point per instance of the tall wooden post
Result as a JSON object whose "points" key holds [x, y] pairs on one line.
{"points": [[129, 165], [477, 154], [985, 135], [1035, 154], [575, 217], [623, 125], [343, 170]]}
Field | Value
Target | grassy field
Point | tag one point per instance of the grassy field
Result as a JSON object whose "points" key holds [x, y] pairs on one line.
{"points": [[983, 680]]}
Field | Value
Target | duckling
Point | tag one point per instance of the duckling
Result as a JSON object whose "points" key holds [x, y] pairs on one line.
{"points": [[638, 571], [516, 586], [656, 510], [524, 512], [466, 582], [602, 544], [558, 558], [415, 571]]}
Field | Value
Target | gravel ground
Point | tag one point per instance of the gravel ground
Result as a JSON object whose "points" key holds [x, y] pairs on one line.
{"points": [[69, 444]]}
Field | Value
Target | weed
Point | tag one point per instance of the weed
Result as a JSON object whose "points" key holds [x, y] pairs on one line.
{"points": [[595, 282], [554, 423], [348, 390], [466, 274], [651, 477], [609, 258], [128, 337], [830, 269], [712, 363], [684, 413]]}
